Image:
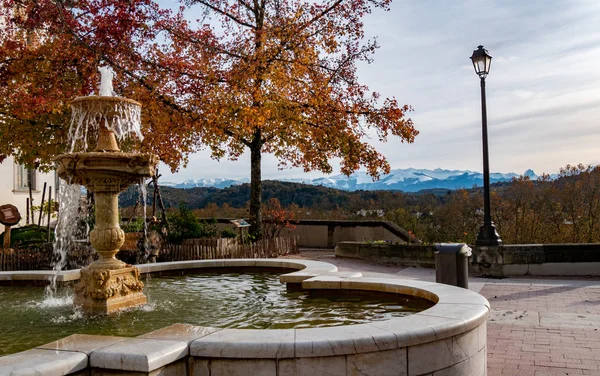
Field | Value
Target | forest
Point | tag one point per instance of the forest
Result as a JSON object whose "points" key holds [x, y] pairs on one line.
{"points": [[561, 210]]}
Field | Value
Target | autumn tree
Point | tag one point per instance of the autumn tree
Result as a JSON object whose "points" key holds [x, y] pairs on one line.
{"points": [[580, 199], [552, 216], [35, 80], [265, 76], [276, 219], [459, 218], [516, 210]]}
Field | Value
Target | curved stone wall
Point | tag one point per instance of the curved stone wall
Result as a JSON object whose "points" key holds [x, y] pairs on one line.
{"points": [[447, 339]]}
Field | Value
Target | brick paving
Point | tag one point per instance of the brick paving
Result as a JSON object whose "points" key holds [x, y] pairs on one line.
{"points": [[567, 298], [556, 348], [520, 351], [536, 327]]}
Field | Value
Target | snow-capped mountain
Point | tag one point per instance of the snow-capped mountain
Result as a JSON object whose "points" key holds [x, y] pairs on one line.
{"points": [[216, 183], [407, 180]]}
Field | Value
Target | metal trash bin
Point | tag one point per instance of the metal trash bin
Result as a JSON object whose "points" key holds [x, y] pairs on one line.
{"points": [[452, 264]]}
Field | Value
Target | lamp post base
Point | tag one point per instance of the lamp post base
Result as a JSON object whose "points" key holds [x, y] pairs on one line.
{"points": [[488, 236]]}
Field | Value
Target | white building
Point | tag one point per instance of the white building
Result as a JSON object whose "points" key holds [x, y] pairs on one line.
{"points": [[14, 188]]}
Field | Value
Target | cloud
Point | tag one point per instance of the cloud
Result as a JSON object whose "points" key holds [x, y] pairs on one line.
{"points": [[541, 92]]}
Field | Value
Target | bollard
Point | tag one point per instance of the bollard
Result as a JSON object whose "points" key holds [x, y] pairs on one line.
{"points": [[452, 264]]}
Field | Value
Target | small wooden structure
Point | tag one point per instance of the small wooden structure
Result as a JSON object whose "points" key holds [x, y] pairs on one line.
{"points": [[9, 216], [240, 224]]}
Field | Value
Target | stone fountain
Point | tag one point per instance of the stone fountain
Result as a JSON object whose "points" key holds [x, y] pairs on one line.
{"points": [[107, 285]]}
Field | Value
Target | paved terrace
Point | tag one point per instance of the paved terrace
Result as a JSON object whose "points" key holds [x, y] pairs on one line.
{"points": [[537, 326]]}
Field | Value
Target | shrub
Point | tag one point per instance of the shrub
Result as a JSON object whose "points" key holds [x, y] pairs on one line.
{"points": [[185, 225], [228, 233], [134, 226], [26, 236]]}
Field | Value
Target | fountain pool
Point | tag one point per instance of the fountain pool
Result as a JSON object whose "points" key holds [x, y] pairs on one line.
{"points": [[448, 338], [250, 298]]}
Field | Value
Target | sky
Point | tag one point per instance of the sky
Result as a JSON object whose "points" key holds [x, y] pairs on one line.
{"points": [[543, 90]]}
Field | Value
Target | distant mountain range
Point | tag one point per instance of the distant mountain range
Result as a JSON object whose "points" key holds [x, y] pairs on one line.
{"points": [[407, 180]]}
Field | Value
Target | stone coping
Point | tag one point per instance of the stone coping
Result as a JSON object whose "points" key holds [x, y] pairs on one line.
{"points": [[41, 275], [140, 355], [307, 269], [456, 311], [43, 362]]}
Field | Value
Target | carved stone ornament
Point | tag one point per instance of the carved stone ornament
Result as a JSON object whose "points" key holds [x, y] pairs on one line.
{"points": [[101, 285], [108, 238]]}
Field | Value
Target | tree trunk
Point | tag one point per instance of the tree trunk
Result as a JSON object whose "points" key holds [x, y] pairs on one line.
{"points": [[30, 182], [255, 187]]}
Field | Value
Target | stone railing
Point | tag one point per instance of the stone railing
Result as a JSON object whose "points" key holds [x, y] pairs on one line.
{"points": [[316, 233], [537, 259], [507, 260], [404, 254]]}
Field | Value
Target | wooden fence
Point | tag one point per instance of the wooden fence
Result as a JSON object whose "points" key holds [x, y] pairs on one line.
{"points": [[25, 259], [40, 258], [206, 249]]}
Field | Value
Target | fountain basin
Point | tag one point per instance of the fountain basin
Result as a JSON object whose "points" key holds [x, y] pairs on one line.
{"points": [[105, 172], [234, 298], [449, 338]]}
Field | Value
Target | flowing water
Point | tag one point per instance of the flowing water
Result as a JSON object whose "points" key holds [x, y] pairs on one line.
{"points": [[143, 190], [67, 229], [228, 299], [88, 117]]}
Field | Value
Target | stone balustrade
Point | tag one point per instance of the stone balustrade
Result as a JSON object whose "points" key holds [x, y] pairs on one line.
{"points": [[502, 261]]}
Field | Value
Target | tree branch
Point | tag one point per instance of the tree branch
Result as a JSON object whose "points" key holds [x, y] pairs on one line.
{"points": [[224, 13]]}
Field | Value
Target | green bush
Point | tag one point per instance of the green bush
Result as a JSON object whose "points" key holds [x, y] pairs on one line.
{"points": [[26, 236], [228, 233], [134, 226], [185, 225]]}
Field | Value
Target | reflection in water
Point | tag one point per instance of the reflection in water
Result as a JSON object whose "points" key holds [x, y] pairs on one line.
{"points": [[243, 299]]}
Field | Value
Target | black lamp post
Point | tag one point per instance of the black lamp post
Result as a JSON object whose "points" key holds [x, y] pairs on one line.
{"points": [[488, 236]]}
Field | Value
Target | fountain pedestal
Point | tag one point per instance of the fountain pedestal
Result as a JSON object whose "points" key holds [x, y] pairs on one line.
{"points": [[107, 285], [103, 291]]}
